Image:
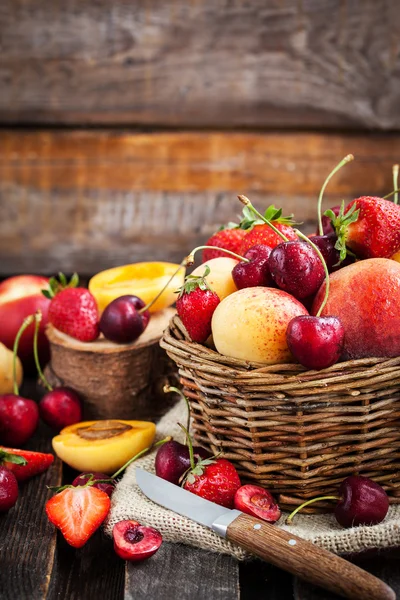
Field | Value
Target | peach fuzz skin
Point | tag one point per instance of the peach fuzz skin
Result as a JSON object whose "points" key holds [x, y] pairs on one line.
{"points": [[366, 298], [251, 324]]}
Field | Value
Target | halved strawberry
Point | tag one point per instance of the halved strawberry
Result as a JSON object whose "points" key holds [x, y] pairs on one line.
{"points": [[31, 463], [77, 512]]}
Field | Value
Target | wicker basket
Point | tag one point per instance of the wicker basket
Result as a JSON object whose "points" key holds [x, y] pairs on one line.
{"points": [[293, 431]]}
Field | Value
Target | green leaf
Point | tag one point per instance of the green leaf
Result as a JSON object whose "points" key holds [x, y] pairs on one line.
{"points": [[341, 223], [74, 282], [12, 458], [63, 279], [47, 294]]}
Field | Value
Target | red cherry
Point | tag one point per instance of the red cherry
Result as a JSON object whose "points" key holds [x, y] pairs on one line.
{"points": [[296, 268], [315, 342], [134, 542], [19, 418], [362, 502], [256, 272], [121, 321], [83, 478], [326, 222], [60, 407], [257, 501], [8, 489], [173, 460], [326, 244]]}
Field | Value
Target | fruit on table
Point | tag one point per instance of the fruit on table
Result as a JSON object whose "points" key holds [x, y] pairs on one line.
{"points": [[251, 324], [74, 312], [144, 280], [255, 272], [60, 407], [366, 296], [77, 512], [376, 231], [215, 480], [261, 233], [316, 342], [6, 370], [258, 502], [220, 277], [196, 304], [8, 489], [35, 462], [134, 542], [296, 268], [21, 296], [102, 445], [107, 487], [121, 322], [228, 238], [362, 502], [173, 460], [19, 418], [326, 244]]}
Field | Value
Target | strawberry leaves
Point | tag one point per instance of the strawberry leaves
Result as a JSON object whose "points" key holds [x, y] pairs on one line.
{"points": [[12, 458], [340, 223], [61, 283], [194, 282], [271, 214]]}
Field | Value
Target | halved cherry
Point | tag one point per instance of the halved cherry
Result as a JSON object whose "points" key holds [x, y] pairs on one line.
{"points": [[134, 542]]}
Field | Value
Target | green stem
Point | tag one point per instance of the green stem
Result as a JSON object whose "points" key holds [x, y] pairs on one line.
{"points": [[395, 170], [150, 304], [190, 446], [38, 318], [390, 194], [139, 454], [327, 280], [25, 323], [190, 257], [345, 160], [244, 200], [171, 388], [290, 517]]}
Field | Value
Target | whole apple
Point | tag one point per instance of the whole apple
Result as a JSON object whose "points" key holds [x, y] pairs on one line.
{"points": [[21, 296]]}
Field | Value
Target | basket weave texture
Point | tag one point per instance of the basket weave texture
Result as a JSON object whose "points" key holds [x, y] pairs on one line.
{"points": [[298, 433]]}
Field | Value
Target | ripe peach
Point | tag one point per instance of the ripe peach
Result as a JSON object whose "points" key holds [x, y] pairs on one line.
{"points": [[251, 324], [220, 276], [366, 298], [21, 296]]}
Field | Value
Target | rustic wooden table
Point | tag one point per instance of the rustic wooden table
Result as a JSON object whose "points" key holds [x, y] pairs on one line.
{"points": [[37, 564]]}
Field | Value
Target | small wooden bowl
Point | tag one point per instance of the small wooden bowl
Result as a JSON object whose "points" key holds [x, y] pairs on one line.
{"points": [[116, 381]]}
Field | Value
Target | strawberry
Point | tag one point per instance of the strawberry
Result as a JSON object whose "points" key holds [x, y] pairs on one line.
{"points": [[369, 227], [29, 463], [261, 233], [195, 306], [228, 238], [77, 512], [215, 480], [73, 310]]}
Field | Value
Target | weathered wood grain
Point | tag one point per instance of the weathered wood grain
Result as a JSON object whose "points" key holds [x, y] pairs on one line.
{"points": [[91, 200], [186, 573], [281, 63]]}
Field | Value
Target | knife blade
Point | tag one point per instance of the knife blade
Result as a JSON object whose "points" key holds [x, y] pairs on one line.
{"points": [[269, 542]]}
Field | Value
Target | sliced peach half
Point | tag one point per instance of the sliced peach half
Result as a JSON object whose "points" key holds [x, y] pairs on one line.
{"points": [[102, 445], [145, 280]]}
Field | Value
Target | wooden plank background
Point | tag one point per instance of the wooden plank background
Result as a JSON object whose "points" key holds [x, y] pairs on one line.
{"points": [[191, 63], [93, 199]]}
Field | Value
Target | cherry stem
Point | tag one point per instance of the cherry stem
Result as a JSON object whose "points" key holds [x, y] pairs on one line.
{"points": [[190, 445], [327, 280], [150, 304], [171, 388], [391, 194], [343, 162], [139, 454], [38, 318], [296, 510], [25, 323], [190, 257], [244, 200], [395, 170]]}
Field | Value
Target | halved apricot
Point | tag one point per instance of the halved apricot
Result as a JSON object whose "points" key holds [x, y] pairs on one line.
{"points": [[102, 445], [145, 280]]}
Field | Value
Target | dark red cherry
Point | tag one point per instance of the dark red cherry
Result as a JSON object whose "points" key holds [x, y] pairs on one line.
{"points": [[326, 222], [60, 407], [83, 478], [362, 502], [326, 244], [8, 489], [19, 418], [172, 460], [315, 342], [296, 268], [121, 321], [256, 272], [134, 542]]}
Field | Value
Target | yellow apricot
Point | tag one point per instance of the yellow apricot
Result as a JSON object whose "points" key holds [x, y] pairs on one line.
{"points": [[6, 370], [220, 277], [102, 445]]}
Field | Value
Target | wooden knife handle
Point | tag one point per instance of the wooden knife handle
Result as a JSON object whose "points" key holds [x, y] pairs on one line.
{"points": [[306, 560]]}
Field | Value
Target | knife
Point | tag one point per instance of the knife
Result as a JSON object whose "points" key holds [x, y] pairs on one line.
{"points": [[269, 542]]}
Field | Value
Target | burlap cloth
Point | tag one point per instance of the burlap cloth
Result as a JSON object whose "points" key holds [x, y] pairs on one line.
{"points": [[128, 502]]}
